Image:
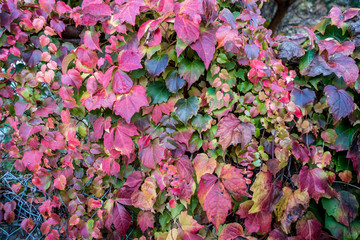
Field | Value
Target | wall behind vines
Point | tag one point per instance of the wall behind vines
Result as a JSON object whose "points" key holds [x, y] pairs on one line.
{"points": [[176, 120]]}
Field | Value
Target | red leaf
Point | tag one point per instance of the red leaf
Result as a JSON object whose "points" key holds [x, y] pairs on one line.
{"points": [[134, 180], [231, 231], [315, 181], [234, 181], [256, 222], [128, 104], [91, 40], [183, 136], [185, 167], [309, 228], [123, 143], [129, 60], [232, 131], [121, 219], [214, 199], [32, 159], [300, 152], [153, 154], [205, 46], [187, 30], [145, 220], [110, 166]]}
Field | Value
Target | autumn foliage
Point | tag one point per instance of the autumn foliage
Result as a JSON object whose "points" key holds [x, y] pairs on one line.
{"points": [[134, 119]]}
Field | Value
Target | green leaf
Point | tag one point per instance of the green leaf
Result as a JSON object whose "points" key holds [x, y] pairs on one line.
{"points": [[244, 87], [344, 209], [191, 70], [165, 221], [158, 92], [201, 123], [306, 59], [345, 134], [175, 211], [340, 231], [333, 32], [186, 108]]}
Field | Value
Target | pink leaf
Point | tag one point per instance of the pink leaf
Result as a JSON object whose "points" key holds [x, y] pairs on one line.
{"points": [[129, 60], [32, 159], [128, 104], [205, 46], [122, 83]]}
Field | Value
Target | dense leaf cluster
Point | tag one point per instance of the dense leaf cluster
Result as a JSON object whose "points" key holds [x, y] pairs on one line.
{"points": [[179, 120]]}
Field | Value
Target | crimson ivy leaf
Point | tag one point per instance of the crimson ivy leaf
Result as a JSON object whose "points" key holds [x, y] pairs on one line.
{"points": [[145, 220], [122, 83], [205, 46], [191, 70], [232, 131], [300, 152], [231, 231], [254, 222], [121, 218], [123, 143], [187, 30], [214, 199], [315, 181], [129, 60], [128, 104], [153, 154], [309, 228], [186, 108], [302, 97], [157, 64], [185, 168], [32, 159], [174, 82], [234, 181], [340, 102], [289, 50]]}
